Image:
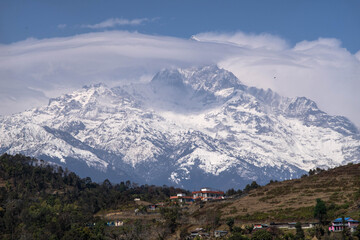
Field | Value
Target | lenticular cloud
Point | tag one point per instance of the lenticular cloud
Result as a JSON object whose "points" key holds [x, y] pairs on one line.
{"points": [[33, 70]]}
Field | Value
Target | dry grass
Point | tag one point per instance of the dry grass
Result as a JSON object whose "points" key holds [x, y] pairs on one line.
{"points": [[294, 199]]}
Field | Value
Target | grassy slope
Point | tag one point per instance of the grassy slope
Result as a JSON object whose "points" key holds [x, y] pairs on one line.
{"points": [[294, 200]]}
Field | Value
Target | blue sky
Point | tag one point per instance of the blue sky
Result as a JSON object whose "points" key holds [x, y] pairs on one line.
{"points": [[292, 20], [48, 48]]}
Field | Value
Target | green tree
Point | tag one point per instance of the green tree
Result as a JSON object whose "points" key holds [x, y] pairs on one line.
{"points": [[320, 211], [230, 222], [319, 232], [251, 186], [261, 235], [289, 236], [300, 235], [237, 229], [249, 228], [230, 192], [171, 215], [357, 232], [345, 233], [237, 236]]}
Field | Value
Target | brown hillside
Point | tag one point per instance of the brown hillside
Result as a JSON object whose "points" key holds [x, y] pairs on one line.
{"points": [[294, 200]]}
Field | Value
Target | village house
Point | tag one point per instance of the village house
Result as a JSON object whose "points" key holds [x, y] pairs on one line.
{"points": [[338, 224], [291, 225], [260, 226], [116, 223], [182, 198], [220, 233], [199, 232], [151, 207], [206, 194]]}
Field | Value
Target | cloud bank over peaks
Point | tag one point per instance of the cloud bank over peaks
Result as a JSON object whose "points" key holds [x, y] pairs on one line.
{"points": [[321, 70], [321, 43], [38, 69], [264, 40]]}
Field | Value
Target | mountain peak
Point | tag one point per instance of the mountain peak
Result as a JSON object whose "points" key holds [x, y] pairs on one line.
{"points": [[86, 94], [189, 127], [212, 78], [168, 78], [95, 85], [208, 78], [204, 84]]}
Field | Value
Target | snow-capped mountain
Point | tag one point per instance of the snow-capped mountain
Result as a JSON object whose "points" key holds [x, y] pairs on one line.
{"points": [[187, 127]]}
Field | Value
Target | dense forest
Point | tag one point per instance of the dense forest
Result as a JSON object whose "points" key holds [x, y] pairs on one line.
{"points": [[42, 201]]}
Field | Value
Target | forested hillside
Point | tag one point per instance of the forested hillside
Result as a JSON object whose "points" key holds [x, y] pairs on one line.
{"points": [[40, 201]]}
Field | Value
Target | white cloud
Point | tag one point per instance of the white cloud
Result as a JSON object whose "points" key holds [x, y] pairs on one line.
{"points": [[114, 22], [264, 40], [61, 26], [33, 70], [357, 55]]}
